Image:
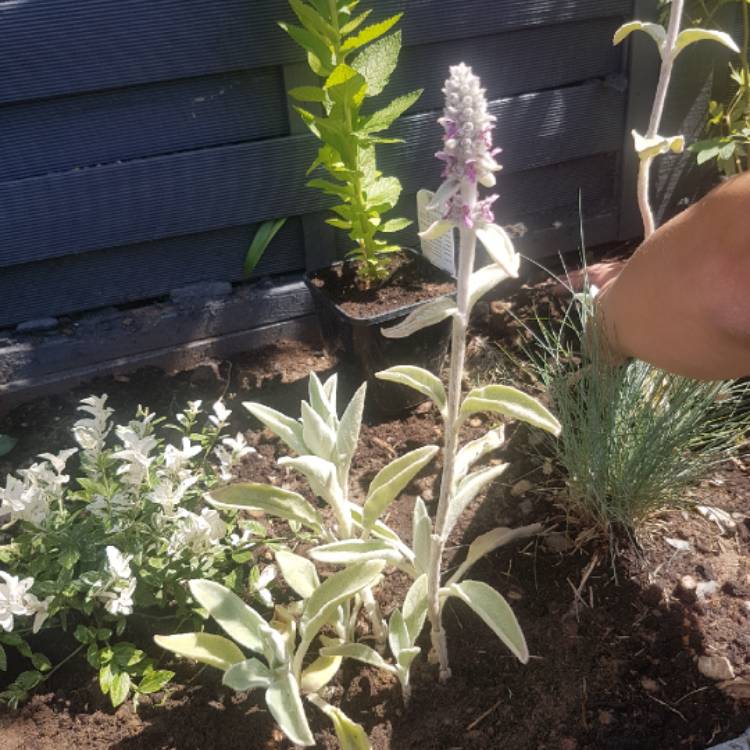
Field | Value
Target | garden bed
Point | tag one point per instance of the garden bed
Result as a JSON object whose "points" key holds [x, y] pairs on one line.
{"points": [[613, 642]]}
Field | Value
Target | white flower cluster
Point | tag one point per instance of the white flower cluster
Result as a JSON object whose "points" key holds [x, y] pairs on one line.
{"points": [[117, 591], [230, 453], [91, 432], [41, 485], [16, 600]]}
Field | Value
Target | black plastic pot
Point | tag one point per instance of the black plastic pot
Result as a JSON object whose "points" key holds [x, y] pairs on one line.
{"points": [[359, 342]]}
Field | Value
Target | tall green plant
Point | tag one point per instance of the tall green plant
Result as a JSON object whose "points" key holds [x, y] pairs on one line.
{"points": [[670, 42], [728, 125], [354, 63]]}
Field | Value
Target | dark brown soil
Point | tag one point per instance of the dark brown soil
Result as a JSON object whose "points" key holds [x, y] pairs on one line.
{"points": [[411, 279], [612, 668]]}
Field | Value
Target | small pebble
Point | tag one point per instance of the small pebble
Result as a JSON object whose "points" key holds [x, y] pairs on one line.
{"points": [[521, 488], [716, 668]]}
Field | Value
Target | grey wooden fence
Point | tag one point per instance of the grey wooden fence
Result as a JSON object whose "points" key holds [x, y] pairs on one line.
{"points": [[142, 141]]}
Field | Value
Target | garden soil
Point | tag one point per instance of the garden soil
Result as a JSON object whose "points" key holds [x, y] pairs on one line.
{"points": [[614, 637]]}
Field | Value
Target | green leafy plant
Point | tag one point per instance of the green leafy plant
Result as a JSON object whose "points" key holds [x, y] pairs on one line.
{"points": [[119, 541], [728, 125], [355, 62], [670, 42]]}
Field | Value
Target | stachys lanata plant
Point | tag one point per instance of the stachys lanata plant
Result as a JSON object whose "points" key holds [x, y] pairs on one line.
{"points": [[469, 162]]}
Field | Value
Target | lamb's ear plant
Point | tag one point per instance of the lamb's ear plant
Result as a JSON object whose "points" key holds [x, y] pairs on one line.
{"points": [[282, 644], [325, 445], [670, 42], [470, 162], [354, 62]]}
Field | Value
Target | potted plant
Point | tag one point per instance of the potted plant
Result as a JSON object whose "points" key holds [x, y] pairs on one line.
{"points": [[379, 282]]}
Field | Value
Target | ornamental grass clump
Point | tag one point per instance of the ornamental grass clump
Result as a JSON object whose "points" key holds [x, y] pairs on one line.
{"points": [[354, 62], [110, 531], [635, 439]]}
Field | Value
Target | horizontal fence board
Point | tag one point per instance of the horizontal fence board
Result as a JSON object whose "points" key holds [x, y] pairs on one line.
{"points": [[113, 334], [54, 47], [509, 64], [140, 272], [55, 135], [114, 205], [118, 275]]}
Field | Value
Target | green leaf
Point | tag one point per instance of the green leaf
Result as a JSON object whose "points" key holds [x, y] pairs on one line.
{"points": [[7, 444], [312, 20], [415, 608], [510, 402], [391, 480], [398, 634], [329, 188], [351, 736], [690, 36], [317, 434], [358, 652], [395, 225], [105, 678], [383, 192], [654, 30], [206, 648], [298, 572], [355, 23], [384, 118], [318, 674], [239, 621], [486, 543], [322, 477], [312, 44], [126, 654], [119, 688], [477, 449], [83, 634], [370, 33], [247, 675], [320, 607], [41, 662], [284, 703], [308, 94], [467, 490], [347, 437], [377, 62], [286, 428], [421, 380], [425, 315], [350, 551], [3, 659], [496, 614], [421, 536], [266, 232], [265, 498], [154, 681], [485, 280]]}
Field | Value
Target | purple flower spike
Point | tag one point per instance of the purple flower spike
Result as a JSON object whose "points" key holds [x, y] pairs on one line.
{"points": [[469, 158]]}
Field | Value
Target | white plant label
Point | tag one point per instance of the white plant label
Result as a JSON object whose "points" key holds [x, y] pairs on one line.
{"points": [[440, 252]]}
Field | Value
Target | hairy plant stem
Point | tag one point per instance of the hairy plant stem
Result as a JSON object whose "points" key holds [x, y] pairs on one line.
{"points": [[450, 444], [657, 112]]}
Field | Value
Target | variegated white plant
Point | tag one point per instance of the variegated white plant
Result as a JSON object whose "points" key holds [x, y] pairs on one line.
{"points": [[469, 159], [670, 42]]}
